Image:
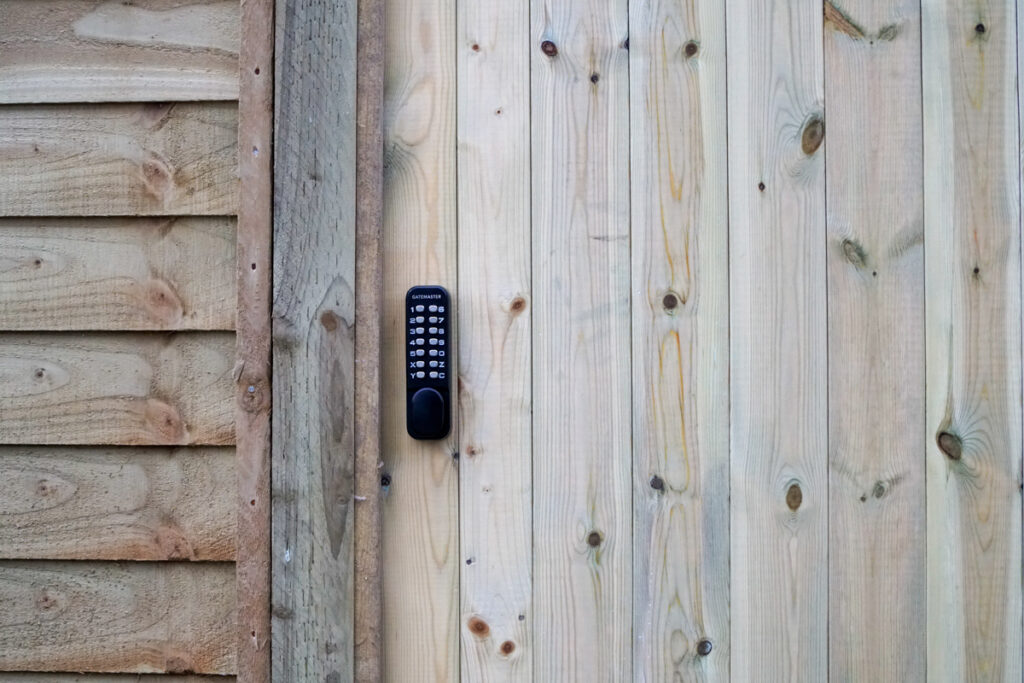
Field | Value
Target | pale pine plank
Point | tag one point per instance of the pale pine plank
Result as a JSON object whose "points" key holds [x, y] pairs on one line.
{"points": [[132, 389], [581, 341], [103, 51], [778, 374], [117, 504], [876, 320], [494, 340], [252, 369], [110, 617], [680, 277], [973, 325], [420, 550], [117, 274], [314, 336], [130, 159]]}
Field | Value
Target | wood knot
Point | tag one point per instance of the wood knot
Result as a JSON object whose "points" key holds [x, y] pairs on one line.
{"points": [[385, 480], [518, 305], [670, 301], [472, 451], [704, 647], [476, 47], [794, 497], [594, 78], [950, 444], [760, 187], [508, 647], [979, 28], [690, 49], [854, 253], [164, 423], [329, 320], [879, 490], [813, 135], [478, 627], [594, 539], [549, 48], [657, 483]]}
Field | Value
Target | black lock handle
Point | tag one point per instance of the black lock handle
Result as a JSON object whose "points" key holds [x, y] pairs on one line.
{"points": [[428, 362]]}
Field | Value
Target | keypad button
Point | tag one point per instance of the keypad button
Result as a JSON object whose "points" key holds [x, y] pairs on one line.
{"points": [[419, 330], [418, 342], [419, 375], [433, 375], [432, 308], [432, 319], [433, 363], [433, 342], [419, 318], [433, 352], [419, 364], [432, 330], [419, 309], [419, 352]]}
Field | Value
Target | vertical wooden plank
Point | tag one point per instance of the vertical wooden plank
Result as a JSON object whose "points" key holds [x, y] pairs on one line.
{"points": [[581, 341], [420, 552], [779, 495], [680, 279], [494, 340], [876, 320], [314, 337], [973, 324], [252, 369], [369, 268]]}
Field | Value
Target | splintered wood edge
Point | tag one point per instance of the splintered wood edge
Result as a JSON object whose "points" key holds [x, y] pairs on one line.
{"points": [[252, 371]]}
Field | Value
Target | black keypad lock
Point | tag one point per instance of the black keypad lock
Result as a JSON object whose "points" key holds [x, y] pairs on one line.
{"points": [[428, 362]]}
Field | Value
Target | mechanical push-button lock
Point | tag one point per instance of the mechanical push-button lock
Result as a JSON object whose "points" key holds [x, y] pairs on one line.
{"points": [[428, 367]]}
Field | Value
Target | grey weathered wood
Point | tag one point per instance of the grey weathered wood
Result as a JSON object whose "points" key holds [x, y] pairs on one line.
{"points": [[876, 341], [314, 317]]}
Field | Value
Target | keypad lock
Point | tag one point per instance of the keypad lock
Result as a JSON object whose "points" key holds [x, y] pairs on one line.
{"points": [[428, 362]]}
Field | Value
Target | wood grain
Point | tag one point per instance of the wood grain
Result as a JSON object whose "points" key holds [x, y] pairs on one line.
{"points": [[494, 304], [132, 159], [876, 342], [368, 608], [117, 274], [132, 389], [778, 345], [420, 551], [88, 616], [252, 371], [314, 336], [116, 504], [680, 331], [113, 678], [581, 341], [102, 51], [973, 323]]}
